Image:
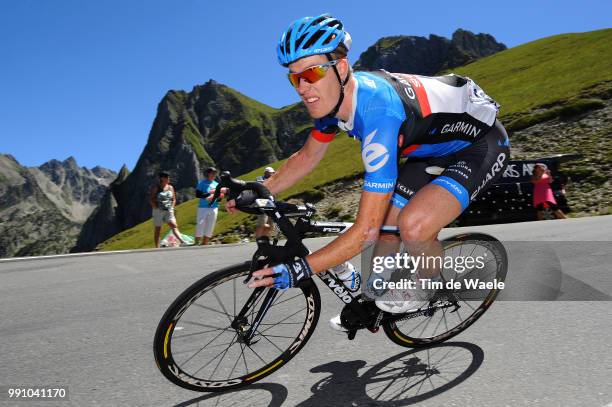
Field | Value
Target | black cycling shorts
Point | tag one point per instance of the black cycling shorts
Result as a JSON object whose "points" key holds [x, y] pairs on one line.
{"points": [[466, 173]]}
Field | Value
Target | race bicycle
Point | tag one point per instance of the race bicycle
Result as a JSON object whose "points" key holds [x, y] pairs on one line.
{"points": [[220, 335]]}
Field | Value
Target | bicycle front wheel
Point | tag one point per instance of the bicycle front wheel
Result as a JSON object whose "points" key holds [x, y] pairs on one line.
{"points": [[453, 310], [202, 341]]}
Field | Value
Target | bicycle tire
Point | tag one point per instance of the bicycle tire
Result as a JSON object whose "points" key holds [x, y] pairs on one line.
{"points": [[395, 334], [165, 334]]}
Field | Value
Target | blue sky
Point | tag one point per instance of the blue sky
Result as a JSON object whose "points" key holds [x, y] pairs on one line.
{"points": [[84, 78]]}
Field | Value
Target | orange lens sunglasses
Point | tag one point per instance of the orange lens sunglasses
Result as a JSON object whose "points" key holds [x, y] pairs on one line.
{"points": [[312, 74]]}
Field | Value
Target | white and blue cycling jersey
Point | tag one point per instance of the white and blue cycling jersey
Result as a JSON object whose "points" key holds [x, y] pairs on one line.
{"points": [[399, 115]]}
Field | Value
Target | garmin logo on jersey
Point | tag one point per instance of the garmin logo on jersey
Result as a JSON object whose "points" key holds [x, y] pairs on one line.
{"points": [[463, 128], [385, 186], [497, 167], [408, 86], [374, 155]]}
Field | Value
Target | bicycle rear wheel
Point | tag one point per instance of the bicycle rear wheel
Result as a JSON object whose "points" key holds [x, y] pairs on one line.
{"points": [[200, 345], [452, 311]]}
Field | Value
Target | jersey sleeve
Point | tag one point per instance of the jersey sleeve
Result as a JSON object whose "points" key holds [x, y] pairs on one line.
{"points": [[379, 144], [325, 129]]}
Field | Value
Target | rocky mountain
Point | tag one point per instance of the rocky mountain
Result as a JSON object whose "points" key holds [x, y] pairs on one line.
{"points": [[216, 125], [42, 208], [427, 56], [211, 125]]}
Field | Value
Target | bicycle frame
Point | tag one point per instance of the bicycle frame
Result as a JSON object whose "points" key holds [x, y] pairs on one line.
{"points": [[274, 254], [271, 254]]}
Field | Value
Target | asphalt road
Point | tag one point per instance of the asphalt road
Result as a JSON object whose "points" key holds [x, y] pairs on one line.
{"points": [[87, 323]]}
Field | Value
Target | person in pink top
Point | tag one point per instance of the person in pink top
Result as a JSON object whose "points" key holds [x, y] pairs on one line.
{"points": [[542, 192]]}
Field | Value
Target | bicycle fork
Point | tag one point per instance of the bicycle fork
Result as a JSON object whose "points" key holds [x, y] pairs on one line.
{"points": [[240, 322]]}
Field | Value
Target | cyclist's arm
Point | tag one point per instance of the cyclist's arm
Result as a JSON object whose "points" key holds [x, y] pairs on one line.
{"points": [[300, 164], [372, 210], [379, 152]]}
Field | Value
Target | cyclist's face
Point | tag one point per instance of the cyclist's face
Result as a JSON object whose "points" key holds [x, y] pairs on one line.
{"points": [[319, 97]]}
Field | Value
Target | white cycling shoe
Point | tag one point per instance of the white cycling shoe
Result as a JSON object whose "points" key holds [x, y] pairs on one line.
{"points": [[401, 301], [336, 324]]}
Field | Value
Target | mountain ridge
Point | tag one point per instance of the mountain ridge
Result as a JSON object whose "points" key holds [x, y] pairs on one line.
{"points": [[42, 208], [569, 109], [427, 56]]}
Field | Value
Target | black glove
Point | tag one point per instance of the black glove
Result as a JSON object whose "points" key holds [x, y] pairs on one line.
{"points": [[200, 194], [246, 198], [290, 274]]}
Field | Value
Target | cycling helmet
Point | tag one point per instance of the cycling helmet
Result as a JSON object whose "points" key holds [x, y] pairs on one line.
{"points": [[311, 36], [319, 35]]}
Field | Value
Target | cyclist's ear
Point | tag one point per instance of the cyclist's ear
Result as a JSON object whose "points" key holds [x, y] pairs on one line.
{"points": [[344, 68]]}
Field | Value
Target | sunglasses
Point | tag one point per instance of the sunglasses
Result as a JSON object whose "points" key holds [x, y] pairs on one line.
{"points": [[312, 74]]}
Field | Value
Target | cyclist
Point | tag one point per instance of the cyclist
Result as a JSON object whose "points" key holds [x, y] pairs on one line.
{"points": [[444, 122]]}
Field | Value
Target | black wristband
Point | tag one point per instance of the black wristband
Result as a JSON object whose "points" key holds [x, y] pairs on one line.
{"points": [[298, 271]]}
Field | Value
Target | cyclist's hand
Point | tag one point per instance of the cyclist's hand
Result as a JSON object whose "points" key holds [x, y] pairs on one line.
{"points": [[282, 276], [245, 198]]}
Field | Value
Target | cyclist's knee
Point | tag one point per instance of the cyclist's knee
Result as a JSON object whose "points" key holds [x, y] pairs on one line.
{"points": [[416, 228]]}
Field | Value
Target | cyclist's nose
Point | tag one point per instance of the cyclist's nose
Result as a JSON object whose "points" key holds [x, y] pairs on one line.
{"points": [[303, 86]]}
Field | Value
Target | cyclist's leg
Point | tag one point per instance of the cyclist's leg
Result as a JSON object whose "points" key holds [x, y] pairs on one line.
{"points": [[412, 177], [433, 206], [467, 173]]}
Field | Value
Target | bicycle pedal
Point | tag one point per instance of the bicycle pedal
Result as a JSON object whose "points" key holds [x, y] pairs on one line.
{"points": [[351, 334]]}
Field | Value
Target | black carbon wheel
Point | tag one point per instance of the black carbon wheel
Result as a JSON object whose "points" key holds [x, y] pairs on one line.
{"points": [[200, 346], [429, 328]]}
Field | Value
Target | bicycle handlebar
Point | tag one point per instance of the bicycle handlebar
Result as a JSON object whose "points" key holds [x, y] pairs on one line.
{"points": [[237, 186]]}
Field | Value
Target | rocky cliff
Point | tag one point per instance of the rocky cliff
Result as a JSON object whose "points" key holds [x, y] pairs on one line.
{"points": [[211, 125], [42, 208], [216, 125], [427, 56]]}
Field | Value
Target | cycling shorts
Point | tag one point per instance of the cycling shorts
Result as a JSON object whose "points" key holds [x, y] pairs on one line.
{"points": [[465, 174]]}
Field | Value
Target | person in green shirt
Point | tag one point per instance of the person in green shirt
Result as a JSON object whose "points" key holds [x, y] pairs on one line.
{"points": [[163, 201]]}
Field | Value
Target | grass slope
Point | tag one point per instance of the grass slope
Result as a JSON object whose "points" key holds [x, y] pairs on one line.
{"points": [[545, 71], [342, 160], [549, 71]]}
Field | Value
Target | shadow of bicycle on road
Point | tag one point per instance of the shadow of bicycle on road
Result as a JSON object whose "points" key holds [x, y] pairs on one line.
{"points": [[252, 395], [400, 380]]}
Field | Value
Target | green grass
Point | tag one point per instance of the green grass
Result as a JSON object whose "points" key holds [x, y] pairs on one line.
{"points": [[343, 160], [555, 72], [545, 71], [387, 42]]}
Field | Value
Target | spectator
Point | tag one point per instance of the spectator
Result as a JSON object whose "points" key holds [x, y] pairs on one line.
{"points": [[543, 196], [207, 212], [163, 202], [263, 222]]}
